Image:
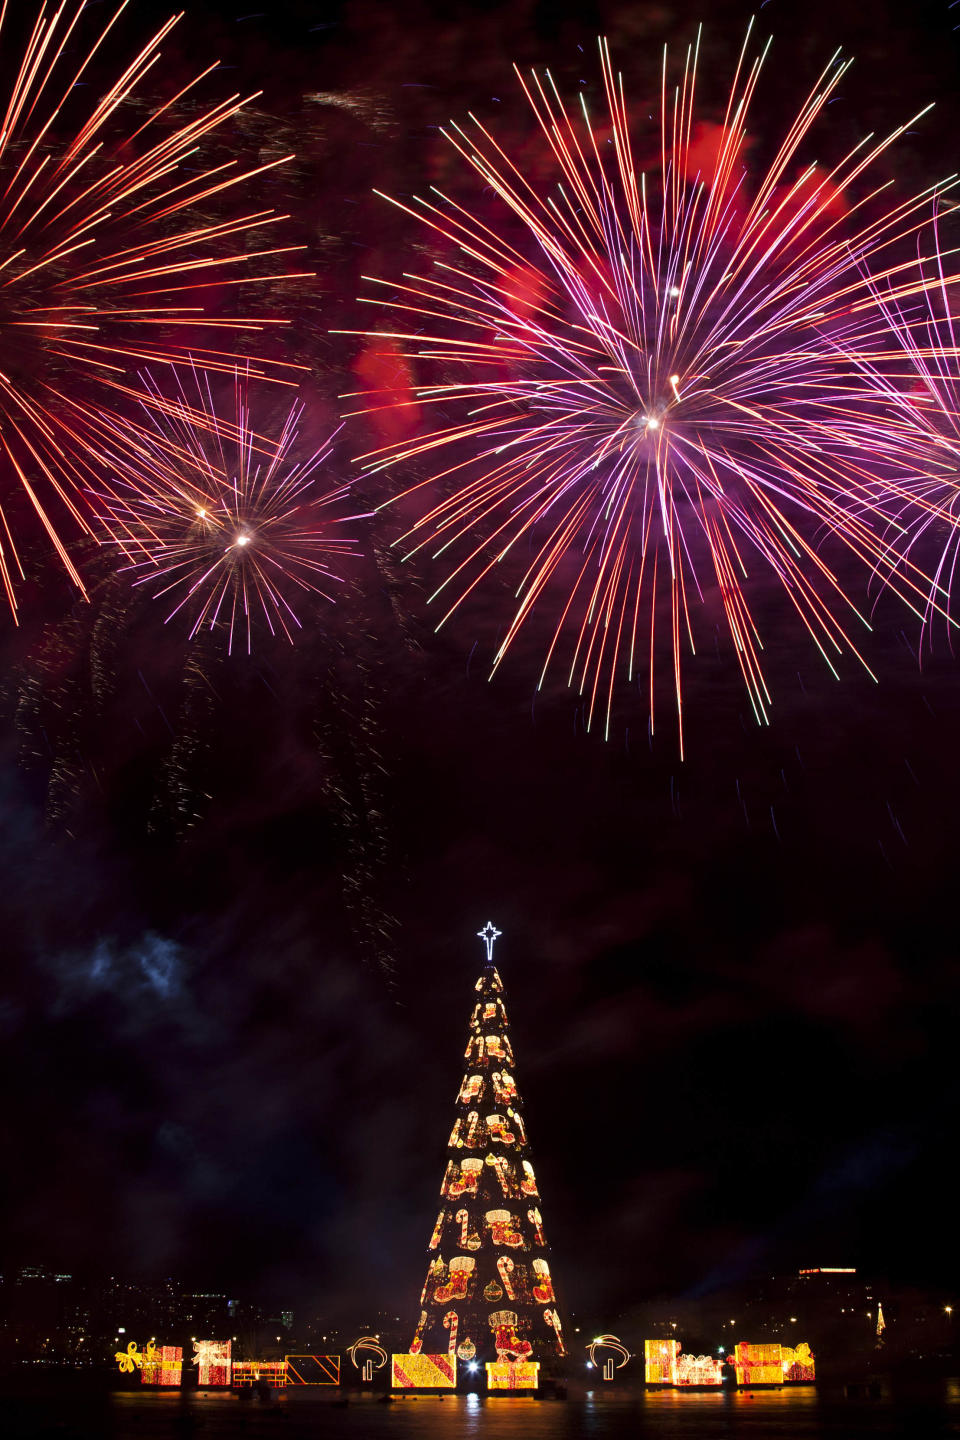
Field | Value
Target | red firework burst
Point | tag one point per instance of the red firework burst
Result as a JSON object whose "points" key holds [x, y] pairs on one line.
{"points": [[656, 380], [107, 239]]}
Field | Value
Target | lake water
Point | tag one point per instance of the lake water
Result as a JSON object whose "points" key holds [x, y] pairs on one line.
{"points": [[807, 1414]]}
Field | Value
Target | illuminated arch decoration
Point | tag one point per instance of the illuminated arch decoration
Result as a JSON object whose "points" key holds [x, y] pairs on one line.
{"points": [[619, 1350], [368, 1346], [213, 1361], [490, 1226]]}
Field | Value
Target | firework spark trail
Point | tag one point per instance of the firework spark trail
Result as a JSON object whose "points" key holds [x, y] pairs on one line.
{"points": [[669, 397], [920, 385], [105, 243], [228, 525]]}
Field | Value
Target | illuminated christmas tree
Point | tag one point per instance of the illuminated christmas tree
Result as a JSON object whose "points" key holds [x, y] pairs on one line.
{"points": [[489, 1294]]}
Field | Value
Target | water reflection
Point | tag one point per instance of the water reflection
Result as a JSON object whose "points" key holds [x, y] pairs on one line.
{"points": [[619, 1414]]}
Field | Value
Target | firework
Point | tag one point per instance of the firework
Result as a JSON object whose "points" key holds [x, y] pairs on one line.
{"points": [[648, 369], [108, 239], [228, 528], [919, 383]]}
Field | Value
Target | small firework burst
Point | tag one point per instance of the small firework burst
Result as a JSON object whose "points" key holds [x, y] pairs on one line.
{"points": [[228, 528], [109, 235], [651, 376]]}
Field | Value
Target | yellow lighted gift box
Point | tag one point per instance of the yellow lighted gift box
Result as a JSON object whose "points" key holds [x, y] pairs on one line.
{"points": [[424, 1372], [508, 1375]]}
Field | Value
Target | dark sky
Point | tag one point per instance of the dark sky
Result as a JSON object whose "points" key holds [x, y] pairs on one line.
{"points": [[239, 897]]}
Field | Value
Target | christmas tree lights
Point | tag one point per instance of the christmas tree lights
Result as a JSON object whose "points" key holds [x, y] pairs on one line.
{"points": [[489, 1294]]}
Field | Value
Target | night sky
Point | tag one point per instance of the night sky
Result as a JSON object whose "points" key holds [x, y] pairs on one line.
{"points": [[240, 896]]}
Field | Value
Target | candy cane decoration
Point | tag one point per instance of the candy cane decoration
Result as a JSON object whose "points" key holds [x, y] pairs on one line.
{"points": [[505, 1266], [416, 1344], [553, 1320], [536, 1220], [437, 1231], [451, 1323], [503, 1174], [472, 1119], [463, 1220]]}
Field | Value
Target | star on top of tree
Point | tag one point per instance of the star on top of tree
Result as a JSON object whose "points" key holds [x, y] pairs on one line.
{"points": [[488, 935]]}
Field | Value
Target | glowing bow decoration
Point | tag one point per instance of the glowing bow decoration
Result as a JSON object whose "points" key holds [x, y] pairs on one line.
{"points": [[133, 1359], [129, 1360]]}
